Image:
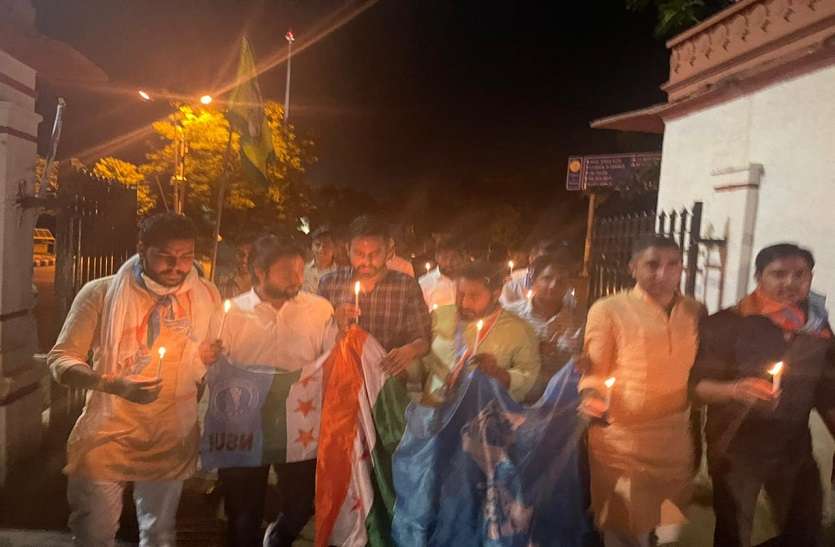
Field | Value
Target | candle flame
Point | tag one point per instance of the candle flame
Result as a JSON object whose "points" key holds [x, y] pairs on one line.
{"points": [[161, 352], [428, 266], [479, 325], [434, 307], [227, 305], [776, 369], [357, 288], [610, 381], [530, 294], [510, 264]]}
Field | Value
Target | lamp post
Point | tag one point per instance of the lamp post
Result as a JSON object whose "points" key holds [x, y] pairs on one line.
{"points": [[290, 39]]}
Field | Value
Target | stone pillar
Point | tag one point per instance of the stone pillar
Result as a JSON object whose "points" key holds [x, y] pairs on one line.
{"points": [[20, 391], [736, 198]]}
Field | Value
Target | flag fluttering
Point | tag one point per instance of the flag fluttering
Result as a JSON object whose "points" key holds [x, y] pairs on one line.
{"points": [[246, 116]]}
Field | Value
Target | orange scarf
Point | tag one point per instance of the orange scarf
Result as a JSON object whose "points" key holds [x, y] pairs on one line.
{"points": [[789, 317]]}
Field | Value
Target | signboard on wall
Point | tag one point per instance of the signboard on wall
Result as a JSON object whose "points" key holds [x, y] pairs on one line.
{"points": [[606, 170]]}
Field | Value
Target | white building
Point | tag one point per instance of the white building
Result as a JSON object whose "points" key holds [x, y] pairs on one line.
{"points": [[749, 129]]}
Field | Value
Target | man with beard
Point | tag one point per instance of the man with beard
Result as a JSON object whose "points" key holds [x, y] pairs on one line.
{"points": [[274, 326], [758, 430], [508, 349], [324, 258], [139, 424], [391, 306], [438, 285]]}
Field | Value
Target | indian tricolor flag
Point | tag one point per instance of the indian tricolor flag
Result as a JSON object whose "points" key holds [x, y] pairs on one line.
{"points": [[362, 422], [259, 415]]}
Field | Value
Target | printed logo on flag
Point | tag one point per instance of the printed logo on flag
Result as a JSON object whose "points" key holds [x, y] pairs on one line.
{"points": [[234, 401]]}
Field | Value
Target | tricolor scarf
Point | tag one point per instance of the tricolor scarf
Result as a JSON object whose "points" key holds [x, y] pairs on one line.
{"points": [[789, 317], [128, 326]]}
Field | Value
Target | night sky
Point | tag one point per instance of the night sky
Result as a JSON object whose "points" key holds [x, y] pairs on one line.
{"points": [[409, 92]]}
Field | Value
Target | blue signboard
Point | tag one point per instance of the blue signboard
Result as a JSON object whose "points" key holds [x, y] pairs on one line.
{"points": [[607, 170]]}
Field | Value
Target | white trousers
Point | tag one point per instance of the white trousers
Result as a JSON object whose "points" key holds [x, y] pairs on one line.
{"points": [[95, 508]]}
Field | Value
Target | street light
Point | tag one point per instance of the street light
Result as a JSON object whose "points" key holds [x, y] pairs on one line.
{"points": [[145, 96], [290, 39], [206, 99]]}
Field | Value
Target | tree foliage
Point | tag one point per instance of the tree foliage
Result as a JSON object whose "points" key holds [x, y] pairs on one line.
{"points": [[126, 173], [675, 16], [213, 153]]}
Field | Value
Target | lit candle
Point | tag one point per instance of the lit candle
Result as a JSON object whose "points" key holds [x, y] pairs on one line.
{"points": [[478, 327], [357, 295], [428, 266], [227, 305], [530, 294], [776, 373], [434, 307], [610, 381], [510, 265], [161, 352]]}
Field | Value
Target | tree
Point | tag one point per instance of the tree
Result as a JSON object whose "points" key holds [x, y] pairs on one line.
{"points": [[677, 15], [110, 168], [212, 155]]}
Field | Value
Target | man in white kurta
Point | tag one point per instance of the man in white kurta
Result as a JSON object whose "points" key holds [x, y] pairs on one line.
{"points": [[139, 424]]}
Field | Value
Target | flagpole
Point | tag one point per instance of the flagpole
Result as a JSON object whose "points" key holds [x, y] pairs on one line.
{"points": [[290, 39], [221, 195]]}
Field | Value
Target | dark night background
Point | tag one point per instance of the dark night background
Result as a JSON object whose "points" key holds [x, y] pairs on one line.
{"points": [[409, 96]]}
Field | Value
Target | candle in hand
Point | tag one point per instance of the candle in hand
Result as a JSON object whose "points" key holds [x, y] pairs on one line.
{"points": [[776, 373], [510, 265], [478, 327], [428, 266], [227, 305], [610, 381], [161, 353]]}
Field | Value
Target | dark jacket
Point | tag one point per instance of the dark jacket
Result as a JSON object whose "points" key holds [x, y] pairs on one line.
{"points": [[733, 347]]}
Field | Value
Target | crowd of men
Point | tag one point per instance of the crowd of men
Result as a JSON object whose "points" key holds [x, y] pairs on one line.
{"points": [[646, 357]]}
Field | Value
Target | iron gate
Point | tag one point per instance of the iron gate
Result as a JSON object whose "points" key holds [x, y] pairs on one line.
{"points": [[95, 232], [613, 237]]}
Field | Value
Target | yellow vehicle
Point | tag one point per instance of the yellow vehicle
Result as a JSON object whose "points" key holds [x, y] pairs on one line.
{"points": [[43, 242]]}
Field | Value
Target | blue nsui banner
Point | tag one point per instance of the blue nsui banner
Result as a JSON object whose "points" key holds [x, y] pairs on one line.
{"points": [[484, 470]]}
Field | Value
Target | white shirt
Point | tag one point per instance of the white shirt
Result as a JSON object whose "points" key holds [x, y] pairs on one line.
{"points": [[516, 288], [565, 323], [438, 289], [256, 333]]}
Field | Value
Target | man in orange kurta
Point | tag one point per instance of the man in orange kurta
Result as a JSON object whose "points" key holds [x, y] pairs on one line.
{"points": [[643, 342]]}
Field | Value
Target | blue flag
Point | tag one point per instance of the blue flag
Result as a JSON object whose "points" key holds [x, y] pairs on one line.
{"points": [[484, 470], [259, 415]]}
